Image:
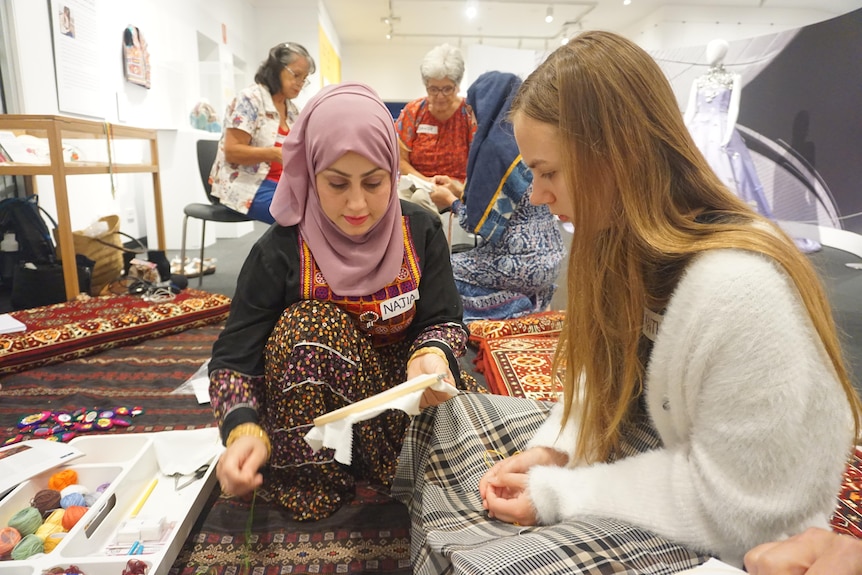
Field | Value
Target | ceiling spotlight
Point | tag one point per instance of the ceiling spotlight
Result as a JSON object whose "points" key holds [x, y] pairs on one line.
{"points": [[549, 15], [564, 40], [472, 9], [626, 2], [389, 35]]}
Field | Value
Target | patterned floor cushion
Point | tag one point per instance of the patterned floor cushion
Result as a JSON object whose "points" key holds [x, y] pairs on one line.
{"points": [[79, 328]]}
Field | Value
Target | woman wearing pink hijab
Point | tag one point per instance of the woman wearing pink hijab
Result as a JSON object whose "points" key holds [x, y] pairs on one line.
{"points": [[349, 294]]}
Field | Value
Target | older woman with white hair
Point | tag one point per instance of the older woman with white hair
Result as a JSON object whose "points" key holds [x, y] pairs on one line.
{"points": [[436, 131]]}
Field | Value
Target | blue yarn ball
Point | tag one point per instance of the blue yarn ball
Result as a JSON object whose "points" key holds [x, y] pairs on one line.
{"points": [[72, 499]]}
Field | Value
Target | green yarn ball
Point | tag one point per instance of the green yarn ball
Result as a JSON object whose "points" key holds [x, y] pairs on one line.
{"points": [[27, 547], [26, 521]]}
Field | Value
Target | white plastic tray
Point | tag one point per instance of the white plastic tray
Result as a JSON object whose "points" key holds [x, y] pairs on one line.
{"points": [[129, 463]]}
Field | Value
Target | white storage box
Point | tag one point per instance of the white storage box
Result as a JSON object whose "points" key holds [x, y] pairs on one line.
{"points": [[134, 466]]}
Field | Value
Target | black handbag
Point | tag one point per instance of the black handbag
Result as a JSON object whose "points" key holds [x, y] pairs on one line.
{"points": [[35, 285]]}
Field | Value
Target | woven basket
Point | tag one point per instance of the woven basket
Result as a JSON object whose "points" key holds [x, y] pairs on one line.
{"points": [[105, 249]]}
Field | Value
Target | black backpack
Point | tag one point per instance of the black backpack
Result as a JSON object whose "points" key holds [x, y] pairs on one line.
{"points": [[23, 217]]}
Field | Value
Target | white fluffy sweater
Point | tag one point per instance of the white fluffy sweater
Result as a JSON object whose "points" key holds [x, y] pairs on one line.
{"points": [[754, 424]]}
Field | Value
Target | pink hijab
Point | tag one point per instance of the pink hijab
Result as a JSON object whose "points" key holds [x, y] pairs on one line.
{"points": [[342, 118]]}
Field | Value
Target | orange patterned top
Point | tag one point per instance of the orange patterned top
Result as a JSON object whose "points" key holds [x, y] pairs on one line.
{"points": [[437, 148]]}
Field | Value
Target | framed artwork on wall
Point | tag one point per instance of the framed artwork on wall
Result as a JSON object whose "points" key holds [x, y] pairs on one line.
{"points": [[136, 57]]}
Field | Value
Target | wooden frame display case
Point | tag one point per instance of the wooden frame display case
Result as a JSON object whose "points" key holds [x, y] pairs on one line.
{"points": [[54, 129]]}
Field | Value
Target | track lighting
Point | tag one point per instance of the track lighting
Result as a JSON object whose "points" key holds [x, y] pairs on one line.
{"points": [[549, 15]]}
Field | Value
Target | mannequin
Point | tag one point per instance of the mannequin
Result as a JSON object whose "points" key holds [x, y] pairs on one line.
{"points": [[713, 108]]}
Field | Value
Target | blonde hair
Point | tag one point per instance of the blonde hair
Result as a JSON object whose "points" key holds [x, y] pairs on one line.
{"points": [[638, 184]]}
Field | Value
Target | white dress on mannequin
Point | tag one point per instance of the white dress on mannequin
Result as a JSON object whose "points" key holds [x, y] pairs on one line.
{"points": [[711, 116]]}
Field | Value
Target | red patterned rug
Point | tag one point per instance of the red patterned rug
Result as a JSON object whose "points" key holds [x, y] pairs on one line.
{"points": [[516, 355], [848, 516], [79, 328], [520, 366]]}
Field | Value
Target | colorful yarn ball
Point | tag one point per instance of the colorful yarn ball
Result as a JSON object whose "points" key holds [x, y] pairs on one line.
{"points": [[73, 500], [56, 517], [46, 501], [53, 540], [102, 487], [91, 498], [63, 479], [73, 515], [74, 488], [9, 538], [26, 521], [27, 547], [47, 529]]}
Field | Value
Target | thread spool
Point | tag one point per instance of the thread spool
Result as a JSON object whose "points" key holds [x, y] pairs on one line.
{"points": [[63, 479], [53, 540], [26, 521], [27, 547], [9, 538], [72, 500], [46, 501], [47, 529], [72, 516]]}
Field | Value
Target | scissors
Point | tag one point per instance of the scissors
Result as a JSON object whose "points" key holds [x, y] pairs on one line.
{"points": [[198, 473]]}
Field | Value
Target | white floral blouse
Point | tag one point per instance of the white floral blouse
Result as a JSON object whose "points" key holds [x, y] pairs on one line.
{"points": [[253, 112]]}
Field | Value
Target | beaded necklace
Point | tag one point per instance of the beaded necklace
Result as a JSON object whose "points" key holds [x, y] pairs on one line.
{"points": [[714, 82]]}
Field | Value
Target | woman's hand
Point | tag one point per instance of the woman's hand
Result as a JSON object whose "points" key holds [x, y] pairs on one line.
{"points": [[238, 468], [814, 552], [504, 488], [430, 364], [445, 191]]}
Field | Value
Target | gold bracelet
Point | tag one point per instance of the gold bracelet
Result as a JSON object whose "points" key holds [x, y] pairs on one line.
{"points": [[429, 349], [249, 429]]}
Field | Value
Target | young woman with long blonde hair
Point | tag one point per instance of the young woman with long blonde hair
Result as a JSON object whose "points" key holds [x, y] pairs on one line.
{"points": [[706, 406]]}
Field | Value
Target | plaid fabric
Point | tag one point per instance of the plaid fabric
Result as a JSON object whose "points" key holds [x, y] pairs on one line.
{"points": [[446, 452]]}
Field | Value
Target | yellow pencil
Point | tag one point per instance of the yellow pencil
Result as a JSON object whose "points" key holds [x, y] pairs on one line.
{"points": [[144, 497]]}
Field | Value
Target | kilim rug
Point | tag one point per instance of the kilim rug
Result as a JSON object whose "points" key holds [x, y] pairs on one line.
{"points": [[369, 535], [140, 375]]}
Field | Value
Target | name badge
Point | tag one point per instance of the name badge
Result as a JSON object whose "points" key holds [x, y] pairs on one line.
{"points": [[652, 321], [426, 129], [279, 139], [399, 304]]}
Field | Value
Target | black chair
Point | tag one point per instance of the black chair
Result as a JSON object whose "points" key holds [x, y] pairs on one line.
{"points": [[213, 211]]}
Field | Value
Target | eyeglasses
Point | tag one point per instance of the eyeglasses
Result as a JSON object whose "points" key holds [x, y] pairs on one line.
{"points": [[435, 91], [297, 78]]}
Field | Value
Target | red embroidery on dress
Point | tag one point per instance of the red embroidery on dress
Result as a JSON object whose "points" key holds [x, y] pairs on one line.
{"points": [[365, 310]]}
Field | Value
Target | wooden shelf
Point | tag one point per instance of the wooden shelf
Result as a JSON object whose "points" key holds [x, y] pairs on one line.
{"points": [[55, 129]]}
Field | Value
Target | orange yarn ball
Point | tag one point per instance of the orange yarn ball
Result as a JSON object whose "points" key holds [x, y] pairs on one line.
{"points": [[9, 538], [72, 515], [63, 479]]}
